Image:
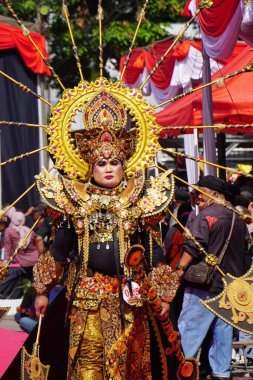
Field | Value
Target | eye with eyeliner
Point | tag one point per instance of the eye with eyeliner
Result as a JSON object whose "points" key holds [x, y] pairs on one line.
{"points": [[101, 163], [114, 162]]}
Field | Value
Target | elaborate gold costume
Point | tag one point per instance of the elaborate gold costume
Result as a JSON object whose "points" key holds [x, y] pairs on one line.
{"points": [[109, 338]]}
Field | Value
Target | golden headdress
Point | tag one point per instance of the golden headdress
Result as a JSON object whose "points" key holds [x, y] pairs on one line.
{"points": [[116, 121], [105, 135]]}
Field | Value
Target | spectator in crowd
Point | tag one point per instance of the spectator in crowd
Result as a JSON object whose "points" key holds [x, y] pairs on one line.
{"points": [[181, 196], [211, 228], [174, 237], [25, 315], [35, 212], [24, 259], [10, 212], [172, 245], [241, 200], [250, 226], [4, 223], [181, 172], [194, 206]]}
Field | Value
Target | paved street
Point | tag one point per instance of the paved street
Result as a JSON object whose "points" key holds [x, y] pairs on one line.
{"points": [[9, 323]]}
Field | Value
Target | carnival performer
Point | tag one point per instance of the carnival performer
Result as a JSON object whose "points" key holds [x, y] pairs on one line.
{"points": [[102, 218]]}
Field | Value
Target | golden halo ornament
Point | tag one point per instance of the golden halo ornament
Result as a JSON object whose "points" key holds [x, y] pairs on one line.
{"points": [[67, 157]]}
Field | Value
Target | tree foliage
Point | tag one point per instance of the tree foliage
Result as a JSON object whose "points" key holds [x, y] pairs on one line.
{"points": [[120, 20]]}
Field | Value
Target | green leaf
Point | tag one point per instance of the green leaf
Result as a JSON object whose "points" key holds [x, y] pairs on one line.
{"points": [[119, 24]]}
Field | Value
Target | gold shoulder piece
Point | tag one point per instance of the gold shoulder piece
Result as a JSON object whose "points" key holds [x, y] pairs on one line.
{"points": [[62, 194], [134, 187], [76, 189], [158, 194], [49, 186], [235, 303]]}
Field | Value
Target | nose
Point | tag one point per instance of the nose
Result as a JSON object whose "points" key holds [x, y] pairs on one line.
{"points": [[108, 167]]}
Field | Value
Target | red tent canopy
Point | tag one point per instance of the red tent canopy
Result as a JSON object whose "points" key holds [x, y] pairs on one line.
{"points": [[232, 103], [13, 38]]}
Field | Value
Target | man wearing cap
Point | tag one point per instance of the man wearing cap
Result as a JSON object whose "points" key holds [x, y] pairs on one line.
{"points": [[211, 228]]}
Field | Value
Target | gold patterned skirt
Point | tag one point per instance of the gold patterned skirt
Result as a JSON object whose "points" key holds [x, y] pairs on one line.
{"points": [[100, 349]]}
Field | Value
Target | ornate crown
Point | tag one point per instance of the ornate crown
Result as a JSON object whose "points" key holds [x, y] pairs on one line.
{"points": [[105, 135], [104, 110]]}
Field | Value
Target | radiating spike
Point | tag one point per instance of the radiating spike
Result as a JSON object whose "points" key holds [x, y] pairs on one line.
{"points": [[18, 124], [100, 16], [215, 126], [26, 32], [248, 68], [231, 170], [24, 155], [78, 62], [25, 88], [202, 5], [21, 196], [141, 17]]}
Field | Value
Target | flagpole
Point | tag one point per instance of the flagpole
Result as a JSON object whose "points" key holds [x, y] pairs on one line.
{"points": [[209, 146]]}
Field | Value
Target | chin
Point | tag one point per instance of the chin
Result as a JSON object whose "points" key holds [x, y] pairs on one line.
{"points": [[202, 205], [109, 185]]}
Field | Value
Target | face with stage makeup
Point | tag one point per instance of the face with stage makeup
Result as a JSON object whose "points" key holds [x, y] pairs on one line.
{"points": [[108, 172]]}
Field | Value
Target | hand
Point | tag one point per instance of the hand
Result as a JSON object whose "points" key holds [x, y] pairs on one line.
{"points": [[165, 311], [180, 273], [31, 313], [21, 310], [41, 304]]}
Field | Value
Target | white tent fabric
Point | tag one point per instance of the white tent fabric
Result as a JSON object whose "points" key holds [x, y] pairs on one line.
{"points": [[223, 45], [241, 25], [185, 73]]}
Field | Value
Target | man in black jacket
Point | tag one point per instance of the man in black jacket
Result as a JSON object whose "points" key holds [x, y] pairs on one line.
{"points": [[211, 228]]}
